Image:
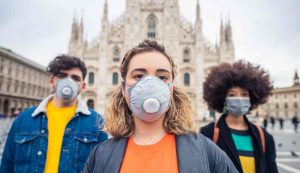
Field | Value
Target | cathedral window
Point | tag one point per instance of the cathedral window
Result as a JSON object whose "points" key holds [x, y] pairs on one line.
{"points": [[116, 54], [1, 65], [9, 68], [151, 26], [91, 78], [186, 55], [16, 86], [8, 86], [186, 79], [115, 78]]}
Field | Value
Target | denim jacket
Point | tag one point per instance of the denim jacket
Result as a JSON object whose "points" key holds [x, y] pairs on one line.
{"points": [[26, 146]]}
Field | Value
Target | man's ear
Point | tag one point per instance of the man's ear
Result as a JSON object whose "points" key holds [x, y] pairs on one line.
{"points": [[83, 86], [51, 81]]}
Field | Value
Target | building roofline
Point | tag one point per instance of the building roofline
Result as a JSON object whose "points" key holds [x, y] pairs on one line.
{"points": [[286, 89], [25, 61]]}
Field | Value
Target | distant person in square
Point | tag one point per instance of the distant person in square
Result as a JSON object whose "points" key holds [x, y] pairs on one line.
{"points": [[58, 134], [234, 90], [281, 122], [272, 121], [295, 122]]}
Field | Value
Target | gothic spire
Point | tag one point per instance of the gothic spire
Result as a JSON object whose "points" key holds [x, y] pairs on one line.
{"points": [[105, 11], [198, 14], [228, 31], [222, 31], [81, 28], [74, 29], [296, 79], [198, 22]]}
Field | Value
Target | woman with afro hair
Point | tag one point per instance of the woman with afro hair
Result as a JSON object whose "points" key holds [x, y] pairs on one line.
{"points": [[234, 90]]}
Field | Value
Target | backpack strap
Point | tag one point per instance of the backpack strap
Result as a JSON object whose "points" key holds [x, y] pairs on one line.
{"points": [[262, 137], [216, 132]]}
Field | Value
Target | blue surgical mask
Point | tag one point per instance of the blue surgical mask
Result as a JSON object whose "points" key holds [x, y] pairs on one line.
{"points": [[237, 105], [149, 98], [67, 89]]}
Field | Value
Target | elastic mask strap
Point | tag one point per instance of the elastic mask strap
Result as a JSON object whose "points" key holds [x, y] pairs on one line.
{"points": [[224, 108]]}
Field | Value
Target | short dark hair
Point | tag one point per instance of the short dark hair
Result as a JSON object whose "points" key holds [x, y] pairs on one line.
{"points": [[66, 62], [242, 74]]}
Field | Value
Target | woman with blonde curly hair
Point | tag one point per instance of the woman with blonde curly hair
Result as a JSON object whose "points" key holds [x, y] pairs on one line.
{"points": [[151, 122]]}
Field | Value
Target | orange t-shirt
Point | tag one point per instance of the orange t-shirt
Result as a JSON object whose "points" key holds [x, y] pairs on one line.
{"points": [[160, 157]]}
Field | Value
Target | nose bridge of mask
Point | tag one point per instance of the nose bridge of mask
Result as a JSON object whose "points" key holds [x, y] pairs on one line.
{"points": [[66, 78], [242, 101], [239, 99], [149, 94], [149, 98], [140, 82]]}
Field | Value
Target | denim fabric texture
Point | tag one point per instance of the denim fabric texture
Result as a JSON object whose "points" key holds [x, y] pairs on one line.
{"points": [[26, 146]]}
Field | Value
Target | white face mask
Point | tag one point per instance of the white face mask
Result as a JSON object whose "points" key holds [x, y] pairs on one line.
{"points": [[149, 98], [67, 89], [238, 106]]}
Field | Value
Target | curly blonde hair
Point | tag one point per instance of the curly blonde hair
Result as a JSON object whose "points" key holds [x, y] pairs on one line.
{"points": [[178, 119]]}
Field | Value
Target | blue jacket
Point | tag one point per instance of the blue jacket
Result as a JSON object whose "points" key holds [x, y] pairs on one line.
{"points": [[26, 146]]}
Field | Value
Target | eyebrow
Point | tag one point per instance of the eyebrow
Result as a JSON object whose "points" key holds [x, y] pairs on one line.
{"points": [[144, 70], [138, 70], [74, 75], [163, 70], [235, 91]]}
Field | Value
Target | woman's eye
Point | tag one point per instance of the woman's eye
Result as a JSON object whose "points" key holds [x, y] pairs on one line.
{"points": [[163, 78], [138, 76], [231, 95], [245, 94]]}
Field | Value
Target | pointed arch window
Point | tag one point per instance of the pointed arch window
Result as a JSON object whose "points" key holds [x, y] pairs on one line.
{"points": [[115, 78], [186, 55], [152, 23], [116, 54], [186, 79], [91, 78]]}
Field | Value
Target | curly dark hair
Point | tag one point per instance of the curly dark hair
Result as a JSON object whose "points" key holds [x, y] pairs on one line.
{"points": [[66, 62], [242, 74]]}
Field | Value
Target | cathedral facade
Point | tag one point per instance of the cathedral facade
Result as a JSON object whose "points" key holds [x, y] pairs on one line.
{"points": [[156, 20]]}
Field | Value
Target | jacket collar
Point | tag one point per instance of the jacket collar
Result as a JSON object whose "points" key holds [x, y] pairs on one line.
{"points": [[225, 134], [81, 107]]}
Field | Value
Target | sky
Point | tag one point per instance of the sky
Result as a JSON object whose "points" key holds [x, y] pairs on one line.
{"points": [[265, 32]]}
